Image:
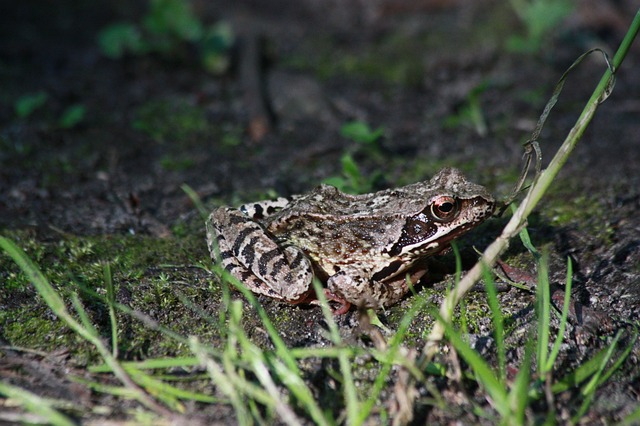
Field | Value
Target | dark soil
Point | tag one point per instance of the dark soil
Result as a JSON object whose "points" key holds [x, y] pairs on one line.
{"points": [[270, 125]]}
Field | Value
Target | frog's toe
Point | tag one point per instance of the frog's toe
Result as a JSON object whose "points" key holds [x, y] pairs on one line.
{"points": [[343, 307]]}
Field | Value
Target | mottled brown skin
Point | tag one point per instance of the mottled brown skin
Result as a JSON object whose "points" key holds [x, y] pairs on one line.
{"points": [[367, 248]]}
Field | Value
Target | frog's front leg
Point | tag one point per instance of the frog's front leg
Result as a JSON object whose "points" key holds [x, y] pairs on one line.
{"points": [[253, 257], [350, 286]]}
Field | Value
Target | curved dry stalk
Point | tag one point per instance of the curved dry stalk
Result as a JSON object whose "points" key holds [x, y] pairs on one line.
{"points": [[537, 189]]}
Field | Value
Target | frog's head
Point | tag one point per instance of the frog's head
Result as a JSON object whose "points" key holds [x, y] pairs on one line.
{"points": [[452, 206]]}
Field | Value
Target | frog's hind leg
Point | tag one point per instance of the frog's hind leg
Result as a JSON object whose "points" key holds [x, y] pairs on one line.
{"points": [[244, 275], [253, 257]]}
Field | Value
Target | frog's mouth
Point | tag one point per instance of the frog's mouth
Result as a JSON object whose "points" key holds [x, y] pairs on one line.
{"points": [[444, 242], [435, 247]]}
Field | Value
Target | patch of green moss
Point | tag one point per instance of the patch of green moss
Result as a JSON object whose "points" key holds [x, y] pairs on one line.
{"points": [[175, 121], [572, 208], [176, 163], [387, 61], [151, 275], [33, 327], [404, 56]]}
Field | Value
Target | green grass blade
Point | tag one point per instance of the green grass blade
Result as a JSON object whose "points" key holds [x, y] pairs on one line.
{"points": [[111, 300], [292, 378], [163, 391], [519, 394], [84, 318], [458, 259], [389, 357], [595, 380], [632, 419], [484, 374], [543, 309], [326, 352], [498, 322], [334, 332], [281, 349], [36, 277], [590, 388], [619, 361], [257, 360], [150, 364], [344, 361], [296, 384], [119, 391], [526, 240], [188, 395], [243, 387], [580, 374], [263, 374], [541, 183], [351, 396], [280, 345], [36, 405], [195, 199], [563, 318], [625, 45], [225, 384]]}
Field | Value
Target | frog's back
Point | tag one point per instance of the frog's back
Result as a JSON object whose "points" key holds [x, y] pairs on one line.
{"points": [[327, 223], [326, 200]]}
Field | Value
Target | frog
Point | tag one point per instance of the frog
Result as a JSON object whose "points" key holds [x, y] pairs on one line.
{"points": [[367, 250]]}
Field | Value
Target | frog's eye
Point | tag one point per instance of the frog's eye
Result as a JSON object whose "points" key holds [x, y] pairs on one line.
{"points": [[444, 208]]}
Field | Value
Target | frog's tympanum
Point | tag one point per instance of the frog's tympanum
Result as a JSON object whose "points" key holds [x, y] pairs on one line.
{"points": [[367, 249]]}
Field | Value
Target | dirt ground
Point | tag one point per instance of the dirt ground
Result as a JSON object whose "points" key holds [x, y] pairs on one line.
{"points": [[270, 124]]}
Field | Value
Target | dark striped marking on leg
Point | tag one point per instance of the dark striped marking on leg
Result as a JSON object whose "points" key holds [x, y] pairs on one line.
{"points": [[248, 252], [297, 261], [280, 263], [242, 236], [264, 260]]}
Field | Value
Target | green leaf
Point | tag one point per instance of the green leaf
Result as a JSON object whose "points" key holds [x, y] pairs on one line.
{"points": [[72, 116], [526, 241], [27, 104], [337, 181], [360, 131], [215, 46], [117, 39], [350, 168], [173, 17]]}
